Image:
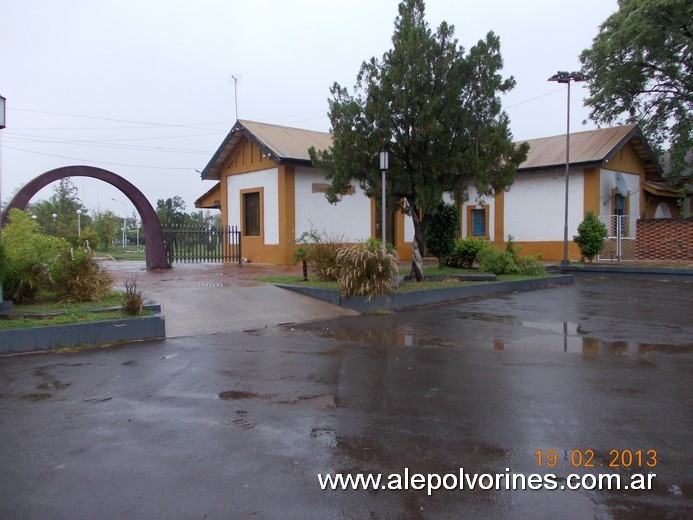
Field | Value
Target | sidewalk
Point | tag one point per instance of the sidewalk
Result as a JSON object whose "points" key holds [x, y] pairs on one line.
{"points": [[213, 298]]}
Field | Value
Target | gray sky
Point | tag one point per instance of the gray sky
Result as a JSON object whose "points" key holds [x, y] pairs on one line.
{"points": [[143, 88]]}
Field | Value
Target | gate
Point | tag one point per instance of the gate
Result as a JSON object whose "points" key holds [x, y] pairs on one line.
{"points": [[192, 244], [620, 242]]}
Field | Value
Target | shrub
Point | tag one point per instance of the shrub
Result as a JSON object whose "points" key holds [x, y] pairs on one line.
{"points": [[492, 260], [4, 263], [509, 261], [78, 277], [590, 237], [133, 300], [441, 231], [30, 258], [321, 255], [465, 252], [365, 269]]}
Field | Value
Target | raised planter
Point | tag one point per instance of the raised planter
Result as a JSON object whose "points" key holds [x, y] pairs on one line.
{"points": [[93, 333], [408, 300]]}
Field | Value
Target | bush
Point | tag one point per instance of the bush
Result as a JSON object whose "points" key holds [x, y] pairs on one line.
{"points": [[78, 277], [492, 260], [4, 263], [365, 269], [509, 261], [321, 254], [133, 300], [441, 231], [591, 235], [31, 257], [465, 252]]}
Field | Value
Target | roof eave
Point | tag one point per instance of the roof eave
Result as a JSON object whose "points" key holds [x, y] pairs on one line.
{"points": [[545, 167]]}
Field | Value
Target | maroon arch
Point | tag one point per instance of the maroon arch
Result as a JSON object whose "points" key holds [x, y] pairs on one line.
{"points": [[156, 250]]}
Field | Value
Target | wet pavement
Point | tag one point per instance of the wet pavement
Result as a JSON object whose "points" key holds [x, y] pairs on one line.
{"points": [[211, 298], [240, 424]]}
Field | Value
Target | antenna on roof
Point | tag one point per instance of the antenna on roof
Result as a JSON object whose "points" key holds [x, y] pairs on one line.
{"points": [[236, 78]]}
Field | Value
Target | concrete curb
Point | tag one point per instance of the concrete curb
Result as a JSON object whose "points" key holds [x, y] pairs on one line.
{"points": [[409, 300], [645, 273], [15, 341]]}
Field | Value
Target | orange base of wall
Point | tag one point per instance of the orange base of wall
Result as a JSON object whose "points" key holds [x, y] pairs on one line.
{"points": [[549, 251]]}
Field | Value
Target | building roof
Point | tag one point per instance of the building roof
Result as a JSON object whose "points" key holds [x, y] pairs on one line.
{"points": [[282, 144], [589, 148]]}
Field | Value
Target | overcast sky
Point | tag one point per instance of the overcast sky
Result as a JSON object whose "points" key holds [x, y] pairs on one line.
{"points": [[143, 88]]}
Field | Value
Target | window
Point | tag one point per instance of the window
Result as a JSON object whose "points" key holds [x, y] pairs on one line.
{"points": [[251, 214], [479, 223]]}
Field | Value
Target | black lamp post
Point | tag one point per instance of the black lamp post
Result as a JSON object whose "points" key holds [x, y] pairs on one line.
{"points": [[384, 164], [567, 78]]}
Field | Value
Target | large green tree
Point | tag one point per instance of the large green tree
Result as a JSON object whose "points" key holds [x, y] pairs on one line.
{"points": [[640, 67], [64, 203], [171, 211], [436, 109]]}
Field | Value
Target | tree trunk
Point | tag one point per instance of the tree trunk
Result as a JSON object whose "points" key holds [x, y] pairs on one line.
{"points": [[417, 245]]}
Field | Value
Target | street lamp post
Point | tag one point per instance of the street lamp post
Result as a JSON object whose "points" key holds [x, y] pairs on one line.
{"points": [[79, 223], [567, 78], [384, 164], [5, 306]]}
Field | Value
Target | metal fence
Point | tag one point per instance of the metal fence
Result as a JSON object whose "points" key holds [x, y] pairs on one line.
{"points": [[620, 243], [191, 244]]}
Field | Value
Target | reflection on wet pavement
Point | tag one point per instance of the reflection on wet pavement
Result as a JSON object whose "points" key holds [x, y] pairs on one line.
{"points": [[528, 336]]}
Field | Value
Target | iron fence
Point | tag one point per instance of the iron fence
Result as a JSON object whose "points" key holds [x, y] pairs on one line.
{"points": [[192, 244]]}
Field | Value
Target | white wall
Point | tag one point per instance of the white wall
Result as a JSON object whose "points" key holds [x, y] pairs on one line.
{"points": [[349, 218], [535, 206], [269, 181]]}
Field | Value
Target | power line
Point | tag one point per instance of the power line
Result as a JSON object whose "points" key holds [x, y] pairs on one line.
{"points": [[201, 126], [97, 162], [26, 138]]}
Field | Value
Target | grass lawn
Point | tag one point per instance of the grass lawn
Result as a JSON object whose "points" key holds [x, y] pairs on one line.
{"points": [[124, 253], [406, 286], [55, 313]]}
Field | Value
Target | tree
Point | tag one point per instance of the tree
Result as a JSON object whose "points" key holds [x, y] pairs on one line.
{"points": [[63, 203], [441, 231], [591, 235], [106, 225], [640, 70], [171, 211], [436, 109]]}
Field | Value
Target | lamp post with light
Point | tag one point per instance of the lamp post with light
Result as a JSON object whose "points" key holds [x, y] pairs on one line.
{"points": [[384, 164], [5, 306], [567, 77], [79, 223]]}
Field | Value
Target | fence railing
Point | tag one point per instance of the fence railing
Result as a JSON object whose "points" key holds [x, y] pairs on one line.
{"points": [[191, 244]]}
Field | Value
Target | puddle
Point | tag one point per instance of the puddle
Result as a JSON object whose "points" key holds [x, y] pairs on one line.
{"points": [[236, 394], [511, 333], [36, 396]]}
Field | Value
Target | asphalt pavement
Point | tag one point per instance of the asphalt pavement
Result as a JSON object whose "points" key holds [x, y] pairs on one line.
{"points": [[241, 423]]}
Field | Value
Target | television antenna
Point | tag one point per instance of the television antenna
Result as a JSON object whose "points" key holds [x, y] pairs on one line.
{"points": [[235, 78]]}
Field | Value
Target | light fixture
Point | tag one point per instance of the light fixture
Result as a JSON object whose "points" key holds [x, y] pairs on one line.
{"points": [[567, 77], [384, 164], [2, 112]]}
